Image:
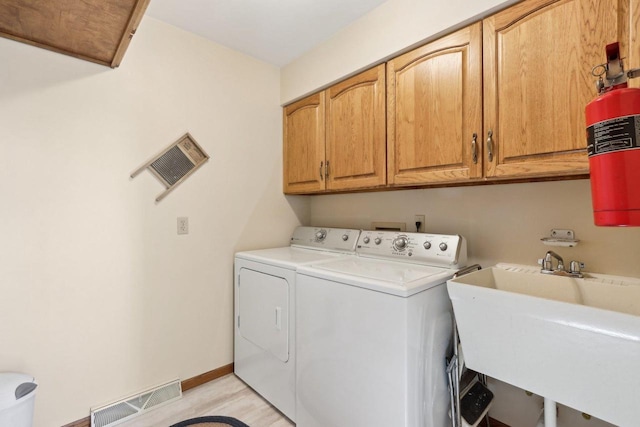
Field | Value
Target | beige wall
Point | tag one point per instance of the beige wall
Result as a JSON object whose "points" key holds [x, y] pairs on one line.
{"points": [[99, 297], [502, 223]]}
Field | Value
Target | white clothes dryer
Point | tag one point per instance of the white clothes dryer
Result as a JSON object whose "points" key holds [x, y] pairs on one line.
{"points": [[264, 293], [373, 333]]}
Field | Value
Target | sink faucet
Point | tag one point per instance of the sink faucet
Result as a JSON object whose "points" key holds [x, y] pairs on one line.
{"points": [[547, 263], [547, 266]]}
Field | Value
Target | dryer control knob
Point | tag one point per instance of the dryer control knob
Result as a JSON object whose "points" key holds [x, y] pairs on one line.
{"points": [[345, 237], [366, 240], [443, 246], [427, 245], [320, 235], [378, 240], [400, 243]]}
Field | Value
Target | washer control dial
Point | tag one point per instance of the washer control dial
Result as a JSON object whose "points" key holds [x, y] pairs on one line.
{"points": [[321, 235], [427, 245], [366, 240], [400, 243], [443, 246], [377, 240]]}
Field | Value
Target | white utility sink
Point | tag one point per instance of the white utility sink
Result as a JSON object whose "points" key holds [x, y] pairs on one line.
{"points": [[574, 341]]}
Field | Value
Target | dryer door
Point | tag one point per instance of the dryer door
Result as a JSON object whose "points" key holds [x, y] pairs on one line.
{"points": [[263, 307]]}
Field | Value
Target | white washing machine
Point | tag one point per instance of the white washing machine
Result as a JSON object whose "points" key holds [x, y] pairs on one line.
{"points": [[264, 294], [373, 332]]}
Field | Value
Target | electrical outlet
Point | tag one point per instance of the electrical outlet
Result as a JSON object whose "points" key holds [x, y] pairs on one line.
{"points": [[183, 225], [420, 219]]}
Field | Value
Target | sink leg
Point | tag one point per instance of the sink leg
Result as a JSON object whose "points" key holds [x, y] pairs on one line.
{"points": [[550, 413]]}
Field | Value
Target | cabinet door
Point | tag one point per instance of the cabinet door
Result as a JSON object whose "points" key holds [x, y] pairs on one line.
{"points": [[303, 159], [434, 105], [538, 56], [356, 131]]}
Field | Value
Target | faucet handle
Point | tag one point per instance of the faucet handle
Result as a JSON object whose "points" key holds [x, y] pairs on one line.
{"points": [[546, 264], [576, 266]]}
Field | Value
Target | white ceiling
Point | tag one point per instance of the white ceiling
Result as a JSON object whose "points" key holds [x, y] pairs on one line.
{"points": [[275, 31]]}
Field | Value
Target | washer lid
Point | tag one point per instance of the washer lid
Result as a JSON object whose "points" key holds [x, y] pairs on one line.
{"points": [[398, 278]]}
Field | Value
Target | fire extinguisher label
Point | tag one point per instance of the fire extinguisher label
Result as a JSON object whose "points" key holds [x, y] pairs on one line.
{"points": [[621, 133]]}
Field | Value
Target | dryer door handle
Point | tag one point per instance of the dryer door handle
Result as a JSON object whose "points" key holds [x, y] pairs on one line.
{"points": [[279, 318]]}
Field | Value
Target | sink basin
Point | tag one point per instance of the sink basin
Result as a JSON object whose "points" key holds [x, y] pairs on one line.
{"points": [[574, 341]]}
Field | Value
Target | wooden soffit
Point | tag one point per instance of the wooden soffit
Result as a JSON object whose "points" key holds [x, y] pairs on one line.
{"points": [[94, 30]]}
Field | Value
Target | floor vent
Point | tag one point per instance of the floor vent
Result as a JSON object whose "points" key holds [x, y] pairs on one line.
{"points": [[132, 406]]}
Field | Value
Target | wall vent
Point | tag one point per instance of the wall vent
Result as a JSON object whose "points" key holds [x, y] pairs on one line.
{"points": [[132, 406], [175, 163], [389, 226]]}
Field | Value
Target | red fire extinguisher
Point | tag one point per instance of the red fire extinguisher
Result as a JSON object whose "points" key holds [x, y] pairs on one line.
{"points": [[613, 144]]}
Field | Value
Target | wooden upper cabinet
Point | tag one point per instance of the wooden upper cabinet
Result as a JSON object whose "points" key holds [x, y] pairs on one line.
{"points": [[538, 56], [502, 99], [633, 59], [340, 146], [355, 121], [303, 132], [434, 109], [94, 30]]}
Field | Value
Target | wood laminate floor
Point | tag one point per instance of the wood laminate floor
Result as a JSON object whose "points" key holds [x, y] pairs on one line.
{"points": [[226, 396]]}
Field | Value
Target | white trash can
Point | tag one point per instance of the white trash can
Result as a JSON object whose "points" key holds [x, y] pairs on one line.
{"points": [[17, 398]]}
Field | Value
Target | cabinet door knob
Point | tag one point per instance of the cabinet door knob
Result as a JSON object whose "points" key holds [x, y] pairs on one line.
{"points": [[321, 171], [490, 145], [474, 148]]}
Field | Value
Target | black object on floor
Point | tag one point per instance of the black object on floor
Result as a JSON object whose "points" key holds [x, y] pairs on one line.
{"points": [[475, 402], [213, 421]]}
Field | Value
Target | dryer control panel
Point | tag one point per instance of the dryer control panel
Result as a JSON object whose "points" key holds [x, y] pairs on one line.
{"points": [[442, 250], [326, 238]]}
